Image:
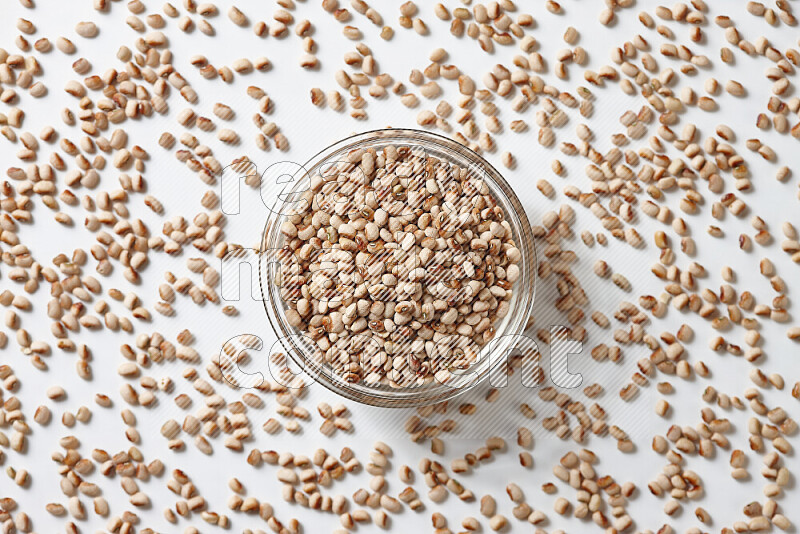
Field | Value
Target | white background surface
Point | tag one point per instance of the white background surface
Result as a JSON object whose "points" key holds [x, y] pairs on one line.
{"points": [[310, 129]]}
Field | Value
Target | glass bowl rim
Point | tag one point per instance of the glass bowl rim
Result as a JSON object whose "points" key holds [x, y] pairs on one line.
{"points": [[525, 286]]}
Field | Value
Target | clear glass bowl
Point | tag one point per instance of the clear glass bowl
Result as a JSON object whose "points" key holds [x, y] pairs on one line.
{"points": [[302, 349]]}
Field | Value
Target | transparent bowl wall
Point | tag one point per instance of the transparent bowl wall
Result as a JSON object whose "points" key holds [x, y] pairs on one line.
{"points": [[301, 350]]}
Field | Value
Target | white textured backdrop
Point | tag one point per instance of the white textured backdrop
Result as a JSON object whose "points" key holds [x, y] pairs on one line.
{"points": [[308, 130]]}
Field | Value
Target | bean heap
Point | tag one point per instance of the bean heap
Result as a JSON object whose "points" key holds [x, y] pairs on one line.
{"points": [[398, 266]]}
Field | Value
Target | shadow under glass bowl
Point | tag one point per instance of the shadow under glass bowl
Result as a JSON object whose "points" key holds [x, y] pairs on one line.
{"points": [[301, 348]]}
